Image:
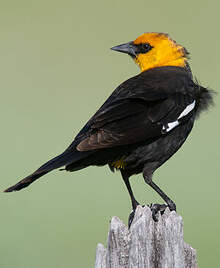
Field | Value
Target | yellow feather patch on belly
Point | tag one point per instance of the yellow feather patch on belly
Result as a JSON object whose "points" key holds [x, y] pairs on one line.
{"points": [[119, 164]]}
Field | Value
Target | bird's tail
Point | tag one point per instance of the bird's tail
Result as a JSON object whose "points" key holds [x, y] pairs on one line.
{"points": [[63, 159]]}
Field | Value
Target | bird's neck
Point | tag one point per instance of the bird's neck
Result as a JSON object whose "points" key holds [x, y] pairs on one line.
{"points": [[145, 65]]}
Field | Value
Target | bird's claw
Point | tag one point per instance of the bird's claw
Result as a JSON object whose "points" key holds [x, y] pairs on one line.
{"points": [[130, 218], [155, 208]]}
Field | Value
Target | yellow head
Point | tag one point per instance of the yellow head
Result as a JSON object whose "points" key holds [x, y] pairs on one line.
{"points": [[151, 50]]}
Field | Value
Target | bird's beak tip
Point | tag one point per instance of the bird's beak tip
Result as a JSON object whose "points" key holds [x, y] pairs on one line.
{"points": [[127, 48], [115, 48]]}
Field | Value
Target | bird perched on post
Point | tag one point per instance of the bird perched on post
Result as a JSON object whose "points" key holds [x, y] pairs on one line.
{"points": [[143, 123]]}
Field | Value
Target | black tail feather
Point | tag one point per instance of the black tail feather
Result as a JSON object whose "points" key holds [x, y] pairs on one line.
{"points": [[63, 159], [26, 181]]}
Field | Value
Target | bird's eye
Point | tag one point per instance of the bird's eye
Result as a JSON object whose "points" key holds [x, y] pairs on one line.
{"points": [[144, 48], [147, 47]]}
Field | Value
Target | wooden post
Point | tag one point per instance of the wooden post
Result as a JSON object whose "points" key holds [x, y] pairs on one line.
{"points": [[147, 244]]}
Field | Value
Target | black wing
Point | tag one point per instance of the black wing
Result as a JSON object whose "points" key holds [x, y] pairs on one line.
{"points": [[146, 106]]}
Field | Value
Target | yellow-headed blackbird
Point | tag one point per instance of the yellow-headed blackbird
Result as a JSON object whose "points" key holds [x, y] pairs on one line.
{"points": [[145, 120]]}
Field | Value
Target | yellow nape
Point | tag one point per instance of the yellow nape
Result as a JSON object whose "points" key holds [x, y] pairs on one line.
{"points": [[165, 52], [119, 164]]}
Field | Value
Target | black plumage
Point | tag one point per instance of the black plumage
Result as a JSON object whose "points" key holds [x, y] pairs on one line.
{"points": [[139, 127]]}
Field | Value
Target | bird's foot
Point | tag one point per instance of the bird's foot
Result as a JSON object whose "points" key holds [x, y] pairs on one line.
{"points": [[130, 218], [135, 203], [155, 208]]}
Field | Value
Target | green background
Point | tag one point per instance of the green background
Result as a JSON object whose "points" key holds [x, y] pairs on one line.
{"points": [[56, 70]]}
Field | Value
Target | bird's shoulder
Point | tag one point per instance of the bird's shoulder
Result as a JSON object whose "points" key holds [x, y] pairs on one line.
{"points": [[139, 103], [166, 79]]}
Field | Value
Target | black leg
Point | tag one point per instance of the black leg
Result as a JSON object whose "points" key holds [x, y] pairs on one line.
{"points": [[148, 180], [169, 202], [134, 202]]}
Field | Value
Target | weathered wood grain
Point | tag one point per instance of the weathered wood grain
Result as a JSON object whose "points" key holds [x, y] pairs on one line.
{"points": [[147, 244]]}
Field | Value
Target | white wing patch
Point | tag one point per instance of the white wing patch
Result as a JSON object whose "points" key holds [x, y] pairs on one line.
{"points": [[173, 124], [188, 109], [170, 126]]}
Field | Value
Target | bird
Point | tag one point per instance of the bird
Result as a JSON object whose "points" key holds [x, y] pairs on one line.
{"points": [[144, 121]]}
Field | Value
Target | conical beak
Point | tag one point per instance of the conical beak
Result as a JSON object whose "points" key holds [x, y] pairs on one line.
{"points": [[128, 48]]}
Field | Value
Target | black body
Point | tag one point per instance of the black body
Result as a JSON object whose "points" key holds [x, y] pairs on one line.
{"points": [[133, 125]]}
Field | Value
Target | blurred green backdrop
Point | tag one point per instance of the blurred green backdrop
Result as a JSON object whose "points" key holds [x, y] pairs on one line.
{"points": [[56, 70]]}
